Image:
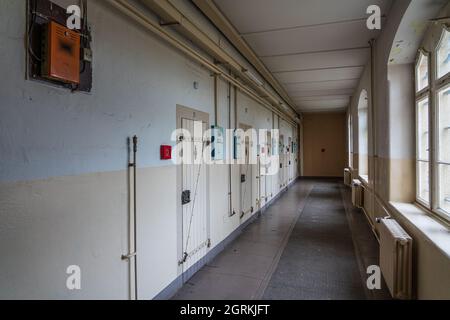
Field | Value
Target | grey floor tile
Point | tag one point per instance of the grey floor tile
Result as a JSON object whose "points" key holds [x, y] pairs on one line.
{"points": [[206, 285], [249, 265], [318, 261]]}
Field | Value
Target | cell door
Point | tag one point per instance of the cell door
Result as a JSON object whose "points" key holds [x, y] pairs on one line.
{"points": [[265, 153], [268, 179], [194, 184], [289, 163], [246, 174], [262, 178], [281, 173]]}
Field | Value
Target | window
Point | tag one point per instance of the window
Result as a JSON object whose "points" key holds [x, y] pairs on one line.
{"points": [[363, 135], [433, 126], [443, 158], [350, 140], [423, 159], [443, 54], [422, 74]]}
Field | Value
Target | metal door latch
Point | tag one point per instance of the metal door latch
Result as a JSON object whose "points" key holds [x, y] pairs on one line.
{"points": [[128, 256], [186, 197]]}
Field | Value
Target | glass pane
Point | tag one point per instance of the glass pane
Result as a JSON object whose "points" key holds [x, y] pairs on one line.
{"points": [[363, 131], [444, 188], [443, 55], [444, 125], [422, 130], [423, 181], [422, 72], [350, 141]]}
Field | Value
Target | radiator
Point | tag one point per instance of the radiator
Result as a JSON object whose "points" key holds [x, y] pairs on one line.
{"points": [[348, 177], [357, 194], [396, 258]]}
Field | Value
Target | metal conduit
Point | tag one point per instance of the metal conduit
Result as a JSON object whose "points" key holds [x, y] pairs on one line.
{"points": [[135, 14]]}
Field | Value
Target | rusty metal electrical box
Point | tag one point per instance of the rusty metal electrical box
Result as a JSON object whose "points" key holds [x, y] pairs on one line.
{"points": [[57, 55], [61, 53]]}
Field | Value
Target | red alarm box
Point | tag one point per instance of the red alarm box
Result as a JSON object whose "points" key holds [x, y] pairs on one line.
{"points": [[166, 152]]}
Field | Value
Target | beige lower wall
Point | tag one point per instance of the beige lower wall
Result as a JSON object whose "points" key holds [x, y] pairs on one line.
{"points": [[431, 266], [48, 225], [402, 180], [324, 144]]}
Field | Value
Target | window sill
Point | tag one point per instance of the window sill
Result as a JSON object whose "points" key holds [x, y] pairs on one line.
{"points": [[434, 231], [364, 179]]}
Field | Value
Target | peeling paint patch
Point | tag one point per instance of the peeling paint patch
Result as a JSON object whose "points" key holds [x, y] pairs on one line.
{"points": [[418, 27], [396, 51]]}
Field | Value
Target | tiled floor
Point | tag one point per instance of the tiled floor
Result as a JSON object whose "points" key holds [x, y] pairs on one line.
{"points": [[244, 268], [249, 267], [319, 260]]}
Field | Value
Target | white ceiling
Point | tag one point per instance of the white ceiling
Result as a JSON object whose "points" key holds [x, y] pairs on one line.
{"points": [[317, 49]]}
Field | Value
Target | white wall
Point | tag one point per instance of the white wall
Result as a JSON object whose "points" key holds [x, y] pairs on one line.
{"points": [[63, 181]]}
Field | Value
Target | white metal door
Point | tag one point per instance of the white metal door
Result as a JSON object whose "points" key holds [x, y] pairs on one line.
{"points": [[289, 161], [195, 225], [246, 175], [268, 179], [262, 183], [282, 164]]}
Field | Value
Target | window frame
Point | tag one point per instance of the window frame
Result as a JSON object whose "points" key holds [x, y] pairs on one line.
{"points": [[446, 76], [419, 99], [435, 85], [422, 53], [350, 140], [442, 85]]}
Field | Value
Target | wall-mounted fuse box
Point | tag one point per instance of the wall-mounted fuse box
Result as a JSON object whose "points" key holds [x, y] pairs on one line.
{"points": [[56, 54], [60, 53], [217, 143]]}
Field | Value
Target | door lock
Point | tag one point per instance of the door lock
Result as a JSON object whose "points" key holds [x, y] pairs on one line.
{"points": [[185, 197]]}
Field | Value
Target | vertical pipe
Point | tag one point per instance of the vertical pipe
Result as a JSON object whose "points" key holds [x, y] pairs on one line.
{"points": [[135, 143], [130, 184], [216, 93], [132, 221], [372, 112], [235, 108], [230, 177]]}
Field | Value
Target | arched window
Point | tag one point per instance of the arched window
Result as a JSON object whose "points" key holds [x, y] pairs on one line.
{"points": [[433, 125], [363, 135], [422, 71], [443, 54]]}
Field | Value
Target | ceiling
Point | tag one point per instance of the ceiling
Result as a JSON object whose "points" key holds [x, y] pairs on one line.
{"points": [[316, 49]]}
